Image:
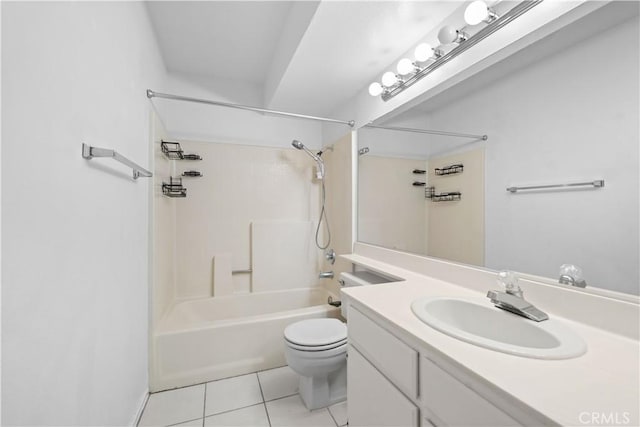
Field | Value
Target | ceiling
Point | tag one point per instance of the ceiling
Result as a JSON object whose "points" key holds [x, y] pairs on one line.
{"points": [[308, 57]]}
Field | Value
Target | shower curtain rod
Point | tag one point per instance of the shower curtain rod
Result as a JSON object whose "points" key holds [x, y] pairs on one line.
{"points": [[431, 132], [152, 94]]}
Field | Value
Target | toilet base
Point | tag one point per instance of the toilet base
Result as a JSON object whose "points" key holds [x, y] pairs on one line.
{"points": [[324, 390]]}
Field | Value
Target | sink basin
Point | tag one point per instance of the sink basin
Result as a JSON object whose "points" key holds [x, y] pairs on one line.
{"points": [[490, 327]]}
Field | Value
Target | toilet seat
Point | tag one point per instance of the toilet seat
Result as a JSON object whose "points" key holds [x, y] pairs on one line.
{"points": [[316, 334], [316, 347]]}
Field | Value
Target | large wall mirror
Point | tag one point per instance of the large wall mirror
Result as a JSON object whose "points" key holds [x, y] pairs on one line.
{"points": [[563, 110]]}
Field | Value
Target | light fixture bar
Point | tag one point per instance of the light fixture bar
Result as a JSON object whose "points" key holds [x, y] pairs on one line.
{"points": [[152, 94], [485, 32], [430, 132]]}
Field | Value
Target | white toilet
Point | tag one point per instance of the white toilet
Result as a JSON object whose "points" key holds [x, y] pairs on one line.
{"points": [[316, 349]]}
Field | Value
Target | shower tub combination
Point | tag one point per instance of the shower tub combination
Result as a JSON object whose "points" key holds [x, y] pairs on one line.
{"points": [[208, 339]]}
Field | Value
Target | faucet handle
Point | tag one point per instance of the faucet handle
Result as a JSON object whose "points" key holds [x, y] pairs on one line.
{"points": [[571, 275], [508, 280]]}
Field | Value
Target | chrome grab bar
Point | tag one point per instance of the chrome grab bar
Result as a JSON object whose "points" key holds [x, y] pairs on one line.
{"points": [[89, 152], [596, 184]]}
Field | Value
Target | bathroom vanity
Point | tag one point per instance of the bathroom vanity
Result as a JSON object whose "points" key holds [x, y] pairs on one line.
{"points": [[402, 371]]}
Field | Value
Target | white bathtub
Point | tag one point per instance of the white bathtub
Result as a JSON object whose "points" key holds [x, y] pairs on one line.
{"points": [[208, 339]]}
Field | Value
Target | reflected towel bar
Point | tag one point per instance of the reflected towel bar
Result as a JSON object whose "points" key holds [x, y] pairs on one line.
{"points": [[89, 152], [596, 184]]}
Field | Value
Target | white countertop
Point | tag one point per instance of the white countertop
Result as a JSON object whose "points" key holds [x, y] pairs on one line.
{"points": [[605, 380]]}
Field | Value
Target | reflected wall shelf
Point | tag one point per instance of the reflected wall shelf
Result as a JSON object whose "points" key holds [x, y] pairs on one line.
{"points": [[451, 196], [449, 170]]}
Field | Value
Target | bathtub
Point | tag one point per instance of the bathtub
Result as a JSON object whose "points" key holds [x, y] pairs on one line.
{"points": [[208, 339]]}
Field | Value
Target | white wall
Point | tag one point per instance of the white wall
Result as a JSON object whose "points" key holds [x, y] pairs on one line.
{"points": [[75, 242], [201, 122], [163, 290], [569, 117]]}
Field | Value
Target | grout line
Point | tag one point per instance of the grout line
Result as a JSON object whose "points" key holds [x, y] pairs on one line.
{"points": [[332, 417], [267, 412], [260, 386], [264, 403], [180, 422], [232, 410], [282, 397], [219, 379], [204, 404]]}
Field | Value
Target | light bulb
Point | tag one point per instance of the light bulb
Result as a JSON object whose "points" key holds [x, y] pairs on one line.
{"points": [[423, 52], [405, 66], [389, 79], [476, 12], [447, 34], [375, 89]]}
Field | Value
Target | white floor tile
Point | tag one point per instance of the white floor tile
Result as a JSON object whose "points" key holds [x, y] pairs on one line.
{"points": [[174, 406], [339, 412], [232, 393], [278, 382], [253, 416], [291, 411]]}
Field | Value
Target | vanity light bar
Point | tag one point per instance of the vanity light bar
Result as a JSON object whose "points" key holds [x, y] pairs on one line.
{"points": [[485, 32]]}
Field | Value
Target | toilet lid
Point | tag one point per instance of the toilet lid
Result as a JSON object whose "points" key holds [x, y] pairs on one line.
{"points": [[316, 332]]}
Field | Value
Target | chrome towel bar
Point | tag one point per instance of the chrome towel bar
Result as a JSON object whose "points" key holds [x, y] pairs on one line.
{"points": [[89, 152], [599, 183]]}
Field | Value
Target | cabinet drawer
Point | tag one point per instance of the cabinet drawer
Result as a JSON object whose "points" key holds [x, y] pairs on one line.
{"points": [[373, 400], [392, 357], [453, 403]]}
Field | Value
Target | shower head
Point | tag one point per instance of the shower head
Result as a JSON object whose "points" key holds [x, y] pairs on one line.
{"points": [[300, 146]]}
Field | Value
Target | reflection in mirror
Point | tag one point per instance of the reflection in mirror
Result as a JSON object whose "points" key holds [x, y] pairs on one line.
{"points": [[563, 110]]}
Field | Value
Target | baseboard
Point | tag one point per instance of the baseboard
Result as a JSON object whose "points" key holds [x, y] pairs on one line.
{"points": [[141, 405]]}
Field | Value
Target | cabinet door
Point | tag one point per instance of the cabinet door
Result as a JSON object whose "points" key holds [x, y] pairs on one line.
{"points": [[453, 403], [372, 399]]}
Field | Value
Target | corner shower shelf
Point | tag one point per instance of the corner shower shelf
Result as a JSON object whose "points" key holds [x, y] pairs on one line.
{"points": [[451, 196], [192, 174], [450, 170], [173, 151], [174, 188]]}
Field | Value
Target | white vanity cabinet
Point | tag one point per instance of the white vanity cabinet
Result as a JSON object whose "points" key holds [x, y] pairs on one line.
{"points": [[382, 376], [372, 399], [386, 387]]}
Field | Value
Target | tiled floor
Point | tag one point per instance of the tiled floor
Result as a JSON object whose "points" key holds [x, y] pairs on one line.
{"points": [[268, 398]]}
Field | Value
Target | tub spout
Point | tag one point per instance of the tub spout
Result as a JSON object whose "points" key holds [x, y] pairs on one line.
{"points": [[326, 275], [330, 301]]}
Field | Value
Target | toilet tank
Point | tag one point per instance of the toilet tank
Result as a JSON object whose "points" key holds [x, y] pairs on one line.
{"points": [[359, 278]]}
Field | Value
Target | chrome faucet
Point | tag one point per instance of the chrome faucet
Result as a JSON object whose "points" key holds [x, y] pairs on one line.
{"points": [[512, 299]]}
